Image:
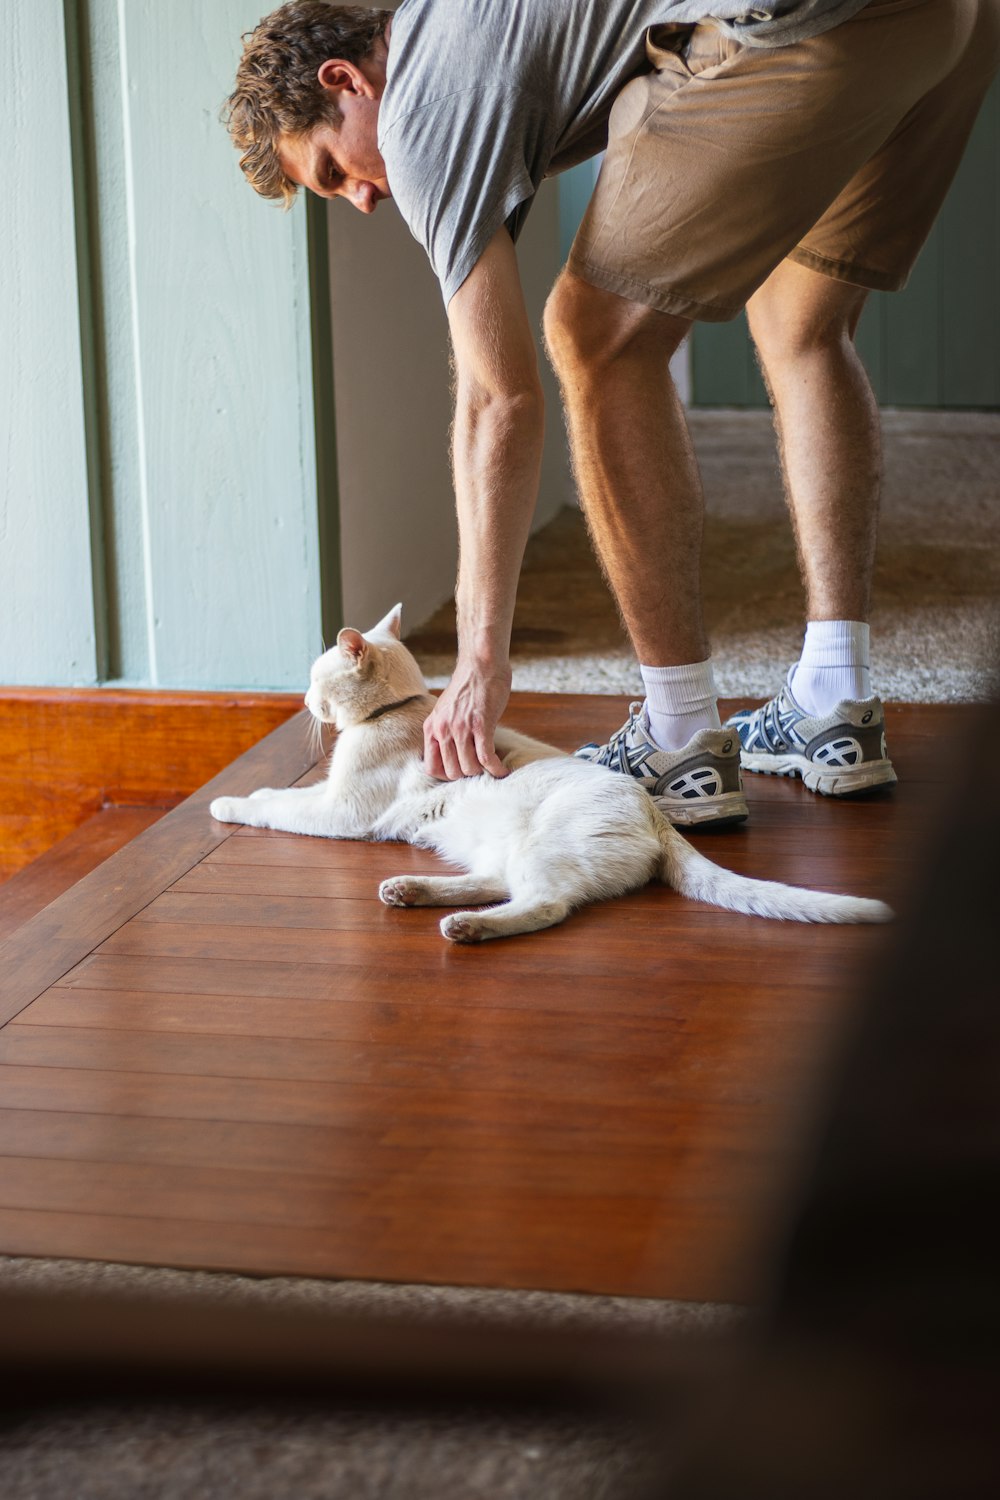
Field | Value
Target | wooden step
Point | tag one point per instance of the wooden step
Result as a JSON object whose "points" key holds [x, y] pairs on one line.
{"points": [[68, 861]]}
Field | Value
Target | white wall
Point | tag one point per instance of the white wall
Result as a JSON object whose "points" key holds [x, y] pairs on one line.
{"points": [[393, 408]]}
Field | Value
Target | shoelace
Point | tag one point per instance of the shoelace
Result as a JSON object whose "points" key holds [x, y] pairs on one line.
{"points": [[771, 729], [634, 710]]}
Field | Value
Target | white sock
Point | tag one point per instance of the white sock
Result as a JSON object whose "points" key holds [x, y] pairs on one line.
{"points": [[679, 702], [834, 664]]}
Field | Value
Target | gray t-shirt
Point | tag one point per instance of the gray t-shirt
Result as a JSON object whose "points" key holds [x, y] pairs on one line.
{"points": [[485, 98]]}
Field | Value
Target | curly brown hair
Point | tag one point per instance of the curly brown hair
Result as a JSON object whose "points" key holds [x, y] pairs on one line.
{"points": [[277, 92]]}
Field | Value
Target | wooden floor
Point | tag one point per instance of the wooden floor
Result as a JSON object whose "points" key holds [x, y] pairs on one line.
{"points": [[220, 1050]]}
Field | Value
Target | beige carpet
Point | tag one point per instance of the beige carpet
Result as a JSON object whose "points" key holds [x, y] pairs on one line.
{"points": [[936, 623]]}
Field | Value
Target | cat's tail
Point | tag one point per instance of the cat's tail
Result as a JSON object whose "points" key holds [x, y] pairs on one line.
{"points": [[693, 875]]}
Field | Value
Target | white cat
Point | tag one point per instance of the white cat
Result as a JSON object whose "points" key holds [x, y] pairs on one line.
{"points": [[553, 835]]}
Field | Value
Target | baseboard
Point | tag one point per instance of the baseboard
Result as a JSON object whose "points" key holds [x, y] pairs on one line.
{"points": [[66, 753]]}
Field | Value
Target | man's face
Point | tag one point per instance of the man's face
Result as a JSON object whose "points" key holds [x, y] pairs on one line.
{"points": [[343, 160]]}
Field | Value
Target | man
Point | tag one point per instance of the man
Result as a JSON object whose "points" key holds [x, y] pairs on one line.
{"points": [[786, 159]]}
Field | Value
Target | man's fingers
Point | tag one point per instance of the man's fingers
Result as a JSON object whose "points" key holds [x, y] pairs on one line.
{"points": [[488, 757], [449, 759], [468, 756], [433, 759], [441, 758], [433, 764]]}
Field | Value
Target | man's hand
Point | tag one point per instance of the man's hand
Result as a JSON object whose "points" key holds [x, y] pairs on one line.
{"points": [[458, 736]]}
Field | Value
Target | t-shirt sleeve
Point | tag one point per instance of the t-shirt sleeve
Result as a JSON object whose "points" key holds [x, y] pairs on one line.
{"points": [[458, 169]]}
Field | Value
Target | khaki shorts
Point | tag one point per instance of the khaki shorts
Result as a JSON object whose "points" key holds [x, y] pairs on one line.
{"points": [[835, 152]]}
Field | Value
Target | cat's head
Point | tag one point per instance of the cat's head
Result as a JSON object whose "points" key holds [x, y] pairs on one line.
{"points": [[362, 673]]}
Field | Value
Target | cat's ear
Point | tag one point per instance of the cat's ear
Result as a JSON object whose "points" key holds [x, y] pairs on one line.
{"points": [[390, 625], [352, 645]]}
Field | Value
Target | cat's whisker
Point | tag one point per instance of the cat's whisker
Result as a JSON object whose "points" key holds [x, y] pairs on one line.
{"points": [[317, 744]]}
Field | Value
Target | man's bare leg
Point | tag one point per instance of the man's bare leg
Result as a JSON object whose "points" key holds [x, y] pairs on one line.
{"points": [[827, 422], [641, 492], [635, 467], [803, 325]]}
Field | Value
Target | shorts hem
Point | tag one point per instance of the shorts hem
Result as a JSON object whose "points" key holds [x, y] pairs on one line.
{"points": [[845, 270], [679, 304]]}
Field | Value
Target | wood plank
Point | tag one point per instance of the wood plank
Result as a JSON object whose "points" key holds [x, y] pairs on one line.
{"points": [[315, 1162], [633, 1265], [354, 1014], [50, 944], [267, 993], [394, 975], [75, 1136], [438, 1115], [593, 1065]]}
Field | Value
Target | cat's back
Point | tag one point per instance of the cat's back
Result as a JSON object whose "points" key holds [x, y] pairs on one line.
{"points": [[552, 791]]}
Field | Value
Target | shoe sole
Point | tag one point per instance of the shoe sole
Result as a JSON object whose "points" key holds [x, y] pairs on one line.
{"points": [[717, 812], [844, 781]]}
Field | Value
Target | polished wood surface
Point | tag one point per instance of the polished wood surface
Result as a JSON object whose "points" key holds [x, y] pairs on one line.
{"points": [[67, 753], [30, 889], [223, 1051]]}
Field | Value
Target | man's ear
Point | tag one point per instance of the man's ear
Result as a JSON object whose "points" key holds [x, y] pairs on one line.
{"points": [[353, 645], [338, 76]]}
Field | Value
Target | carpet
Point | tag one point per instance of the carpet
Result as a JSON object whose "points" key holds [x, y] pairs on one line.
{"points": [[935, 622], [267, 1450]]}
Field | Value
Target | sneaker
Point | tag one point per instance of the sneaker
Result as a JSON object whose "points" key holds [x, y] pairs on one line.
{"points": [[700, 784], [835, 754]]}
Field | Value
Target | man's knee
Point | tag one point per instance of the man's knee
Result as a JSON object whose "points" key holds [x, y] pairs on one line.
{"points": [[797, 313], [588, 329]]}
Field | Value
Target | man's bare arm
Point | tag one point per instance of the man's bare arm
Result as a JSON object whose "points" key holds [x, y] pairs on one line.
{"points": [[496, 455]]}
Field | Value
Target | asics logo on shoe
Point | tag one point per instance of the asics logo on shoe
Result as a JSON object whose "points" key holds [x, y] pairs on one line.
{"points": [[842, 752], [701, 783]]}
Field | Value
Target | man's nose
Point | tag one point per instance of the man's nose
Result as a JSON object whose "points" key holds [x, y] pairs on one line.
{"points": [[362, 196]]}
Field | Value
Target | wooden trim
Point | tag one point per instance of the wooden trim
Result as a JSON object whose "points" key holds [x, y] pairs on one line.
{"points": [[89, 296], [67, 753], [324, 416]]}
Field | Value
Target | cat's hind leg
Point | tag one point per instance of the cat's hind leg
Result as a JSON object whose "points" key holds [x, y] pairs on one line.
{"points": [[523, 914], [440, 890]]}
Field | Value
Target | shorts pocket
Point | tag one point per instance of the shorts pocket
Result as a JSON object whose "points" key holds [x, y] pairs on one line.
{"points": [[666, 47]]}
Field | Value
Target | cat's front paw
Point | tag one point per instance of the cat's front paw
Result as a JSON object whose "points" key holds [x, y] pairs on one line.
{"points": [[227, 809], [262, 791], [395, 892]]}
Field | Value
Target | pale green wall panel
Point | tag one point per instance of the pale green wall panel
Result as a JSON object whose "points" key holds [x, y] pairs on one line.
{"points": [[47, 617], [220, 343]]}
